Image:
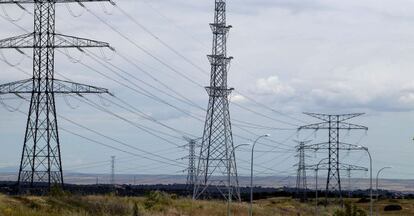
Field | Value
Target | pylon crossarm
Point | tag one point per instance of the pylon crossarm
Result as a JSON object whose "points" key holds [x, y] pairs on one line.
{"points": [[345, 117], [325, 126], [325, 166], [61, 41], [18, 87], [40, 1], [340, 118], [349, 126], [352, 167], [59, 86], [66, 87], [318, 146], [322, 117], [65, 41], [21, 41], [325, 146], [317, 126]]}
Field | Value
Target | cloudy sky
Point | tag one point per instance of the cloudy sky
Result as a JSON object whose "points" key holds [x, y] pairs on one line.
{"points": [[291, 56]]}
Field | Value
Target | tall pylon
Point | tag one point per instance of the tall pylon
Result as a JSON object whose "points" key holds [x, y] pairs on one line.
{"points": [[41, 163], [334, 124], [112, 180], [191, 170], [217, 170], [301, 184]]}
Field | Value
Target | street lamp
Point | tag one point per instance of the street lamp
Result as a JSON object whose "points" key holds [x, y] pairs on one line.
{"points": [[376, 189], [251, 173], [229, 178], [370, 177]]}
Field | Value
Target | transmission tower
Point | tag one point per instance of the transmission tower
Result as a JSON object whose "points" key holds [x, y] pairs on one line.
{"points": [[112, 180], [301, 185], [191, 170], [334, 123], [217, 170], [348, 172], [41, 162]]}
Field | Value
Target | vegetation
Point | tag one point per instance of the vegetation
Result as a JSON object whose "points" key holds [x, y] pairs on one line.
{"points": [[161, 204], [350, 210]]}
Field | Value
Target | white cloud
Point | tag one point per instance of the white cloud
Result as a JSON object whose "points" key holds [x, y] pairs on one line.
{"points": [[301, 55], [274, 86], [237, 98]]}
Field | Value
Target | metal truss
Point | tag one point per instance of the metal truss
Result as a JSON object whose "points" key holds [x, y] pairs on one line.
{"points": [[192, 167], [334, 124], [59, 87], [41, 163], [301, 183], [61, 41], [342, 166], [217, 170]]}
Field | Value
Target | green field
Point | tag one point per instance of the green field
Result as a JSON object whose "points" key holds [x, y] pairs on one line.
{"points": [[159, 204]]}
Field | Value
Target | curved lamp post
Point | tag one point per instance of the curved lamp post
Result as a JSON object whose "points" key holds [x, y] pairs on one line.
{"points": [[251, 174], [376, 188], [229, 179], [370, 184]]}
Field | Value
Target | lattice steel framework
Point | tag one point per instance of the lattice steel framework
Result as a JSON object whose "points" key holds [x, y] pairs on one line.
{"points": [[191, 170], [301, 184], [112, 179], [217, 168], [334, 123], [41, 162]]}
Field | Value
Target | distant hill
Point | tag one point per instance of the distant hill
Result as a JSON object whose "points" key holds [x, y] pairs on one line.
{"points": [[267, 181]]}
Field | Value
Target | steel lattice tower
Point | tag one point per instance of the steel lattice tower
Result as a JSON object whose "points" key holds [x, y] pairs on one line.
{"points": [[301, 184], [217, 170], [112, 180], [41, 162], [334, 123], [191, 170]]}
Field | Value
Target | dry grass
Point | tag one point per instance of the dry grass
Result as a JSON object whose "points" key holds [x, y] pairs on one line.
{"points": [[159, 204]]}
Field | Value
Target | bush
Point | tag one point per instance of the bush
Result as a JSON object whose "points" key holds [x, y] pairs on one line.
{"points": [[363, 200], [57, 191], [393, 207], [157, 200], [135, 210], [350, 210]]}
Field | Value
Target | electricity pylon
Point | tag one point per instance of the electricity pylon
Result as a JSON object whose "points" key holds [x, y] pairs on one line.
{"points": [[41, 162], [301, 185], [112, 180], [191, 170], [217, 170], [333, 123]]}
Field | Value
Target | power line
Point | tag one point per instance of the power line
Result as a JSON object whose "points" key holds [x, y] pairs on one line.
{"points": [[161, 159], [158, 38], [160, 60]]}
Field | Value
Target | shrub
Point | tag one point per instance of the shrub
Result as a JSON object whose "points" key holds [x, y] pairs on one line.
{"points": [[157, 200], [363, 200], [57, 191], [350, 210], [135, 210], [393, 207]]}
